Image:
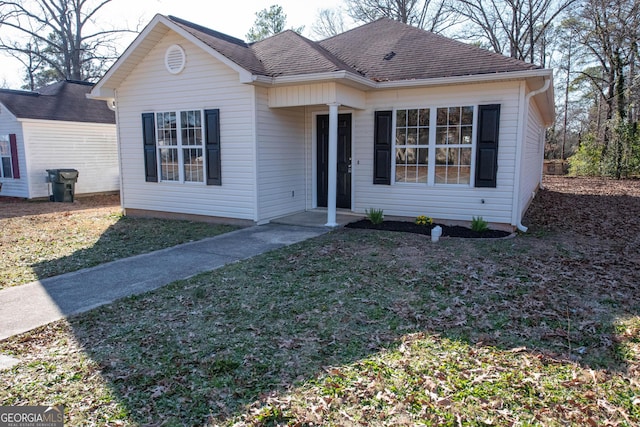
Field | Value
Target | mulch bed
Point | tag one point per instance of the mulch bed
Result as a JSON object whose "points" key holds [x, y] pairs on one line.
{"points": [[410, 227]]}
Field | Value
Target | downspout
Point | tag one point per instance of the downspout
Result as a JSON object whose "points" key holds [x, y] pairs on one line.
{"points": [[525, 118]]}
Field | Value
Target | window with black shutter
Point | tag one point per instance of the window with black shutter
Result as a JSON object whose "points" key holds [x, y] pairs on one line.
{"points": [[487, 145], [382, 147]]}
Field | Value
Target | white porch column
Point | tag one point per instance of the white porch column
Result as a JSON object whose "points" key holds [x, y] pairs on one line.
{"points": [[333, 165]]}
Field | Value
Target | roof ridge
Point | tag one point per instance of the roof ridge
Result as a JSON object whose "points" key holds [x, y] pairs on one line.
{"points": [[327, 54], [209, 31], [366, 24]]}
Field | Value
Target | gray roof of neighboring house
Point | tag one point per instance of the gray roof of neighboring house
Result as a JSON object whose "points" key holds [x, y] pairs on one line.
{"points": [[62, 101], [383, 50]]}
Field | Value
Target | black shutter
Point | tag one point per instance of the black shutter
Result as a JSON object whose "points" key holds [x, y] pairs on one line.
{"points": [[212, 146], [150, 153], [382, 148], [15, 164], [487, 145]]}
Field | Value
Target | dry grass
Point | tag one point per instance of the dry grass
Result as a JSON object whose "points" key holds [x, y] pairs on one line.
{"points": [[362, 327], [43, 239]]}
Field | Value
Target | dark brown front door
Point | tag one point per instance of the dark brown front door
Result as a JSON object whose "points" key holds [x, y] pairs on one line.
{"points": [[343, 190]]}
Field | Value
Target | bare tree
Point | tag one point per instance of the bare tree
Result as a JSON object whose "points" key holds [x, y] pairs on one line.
{"points": [[64, 38], [517, 28], [329, 23], [431, 15], [609, 32]]}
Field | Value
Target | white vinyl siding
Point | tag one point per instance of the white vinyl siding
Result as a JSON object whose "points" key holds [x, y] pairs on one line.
{"points": [[89, 148], [281, 159], [205, 83], [457, 202], [533, 152]]}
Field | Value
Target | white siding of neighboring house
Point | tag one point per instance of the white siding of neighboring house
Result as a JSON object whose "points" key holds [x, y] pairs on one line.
{"points": [[10, 186], [438, 201], [281, 159], [203, 84], [90, 148], [533, 153]]}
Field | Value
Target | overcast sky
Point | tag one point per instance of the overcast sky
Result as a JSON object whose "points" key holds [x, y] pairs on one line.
{"points": [[228, 16]]}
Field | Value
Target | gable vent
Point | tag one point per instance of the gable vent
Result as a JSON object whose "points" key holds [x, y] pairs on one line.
{"points": [[174, 59]]}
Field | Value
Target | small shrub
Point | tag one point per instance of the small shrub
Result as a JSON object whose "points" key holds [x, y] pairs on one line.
{"points": [[424, 220], [479, 225], [376, 216]]}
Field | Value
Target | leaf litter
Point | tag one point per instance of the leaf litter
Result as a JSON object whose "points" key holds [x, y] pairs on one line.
{"points": [[371, 328]]}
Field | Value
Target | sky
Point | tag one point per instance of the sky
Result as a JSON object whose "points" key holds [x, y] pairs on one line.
{"points": [[234, 18]]}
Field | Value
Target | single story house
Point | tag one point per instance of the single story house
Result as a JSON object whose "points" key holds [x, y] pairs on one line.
{"points": [[383, 116], [56, 127]]}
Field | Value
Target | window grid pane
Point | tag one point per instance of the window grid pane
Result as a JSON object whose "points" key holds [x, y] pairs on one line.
{"points": [[193, 165], [167, 129], [191, 127], [412, 143], [454, 138], [169, 168]]}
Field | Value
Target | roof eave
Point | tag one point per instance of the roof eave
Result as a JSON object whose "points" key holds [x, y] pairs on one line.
{"points": [[466, 79], [545, 99]]}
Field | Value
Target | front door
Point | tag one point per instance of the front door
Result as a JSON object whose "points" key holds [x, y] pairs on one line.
{"points": [[343, 191]]}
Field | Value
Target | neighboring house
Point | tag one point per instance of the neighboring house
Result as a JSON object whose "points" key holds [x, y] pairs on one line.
{"points": [[56, 127], [383, 116]]}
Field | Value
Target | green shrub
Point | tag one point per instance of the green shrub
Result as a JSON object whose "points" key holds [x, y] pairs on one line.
{"points": [[376, 216], [478, 224], [586, 161]]}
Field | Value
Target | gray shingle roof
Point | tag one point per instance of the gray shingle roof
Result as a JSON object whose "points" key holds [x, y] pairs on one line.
{"points": [[288, 53], [383, 50], [386, 50], [62, 101], [234, 49]]}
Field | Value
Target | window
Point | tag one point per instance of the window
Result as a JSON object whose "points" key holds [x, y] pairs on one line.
{"points": [[454, 130], [187, 145], [7, 152], [437, 146], [180, 146], [434, 145], [412, 145]]}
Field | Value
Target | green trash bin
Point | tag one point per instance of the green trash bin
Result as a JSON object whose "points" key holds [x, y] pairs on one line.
{"points": [[63, 184]]}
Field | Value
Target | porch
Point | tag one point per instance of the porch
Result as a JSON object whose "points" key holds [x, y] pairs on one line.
{"points": [[317, 218]]}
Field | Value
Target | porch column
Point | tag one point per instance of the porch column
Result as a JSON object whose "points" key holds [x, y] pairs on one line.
{"points": [[333, 165]]}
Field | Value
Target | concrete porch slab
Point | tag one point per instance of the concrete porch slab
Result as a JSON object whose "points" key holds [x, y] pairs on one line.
{"points": [[317, 218]]}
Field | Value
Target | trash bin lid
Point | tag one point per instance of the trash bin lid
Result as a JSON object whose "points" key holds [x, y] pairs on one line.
{"points": [[68, 173]]}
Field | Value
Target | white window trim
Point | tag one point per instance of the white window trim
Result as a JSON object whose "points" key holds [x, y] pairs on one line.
{"points": [[431, 178], [181, 148]]}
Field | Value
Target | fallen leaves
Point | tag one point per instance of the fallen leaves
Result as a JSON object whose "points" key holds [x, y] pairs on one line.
{"points": [[362, 328]]}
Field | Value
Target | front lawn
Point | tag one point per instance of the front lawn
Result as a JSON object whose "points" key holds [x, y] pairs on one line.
{"points": [[44, 239], [362, 327]]}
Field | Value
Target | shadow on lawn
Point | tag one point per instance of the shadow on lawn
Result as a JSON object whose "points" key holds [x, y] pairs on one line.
{"points": [[128, 236], [204, 348]]}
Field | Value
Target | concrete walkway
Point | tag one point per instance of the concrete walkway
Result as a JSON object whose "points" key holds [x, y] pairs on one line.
{"points": [[25, 307]]}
